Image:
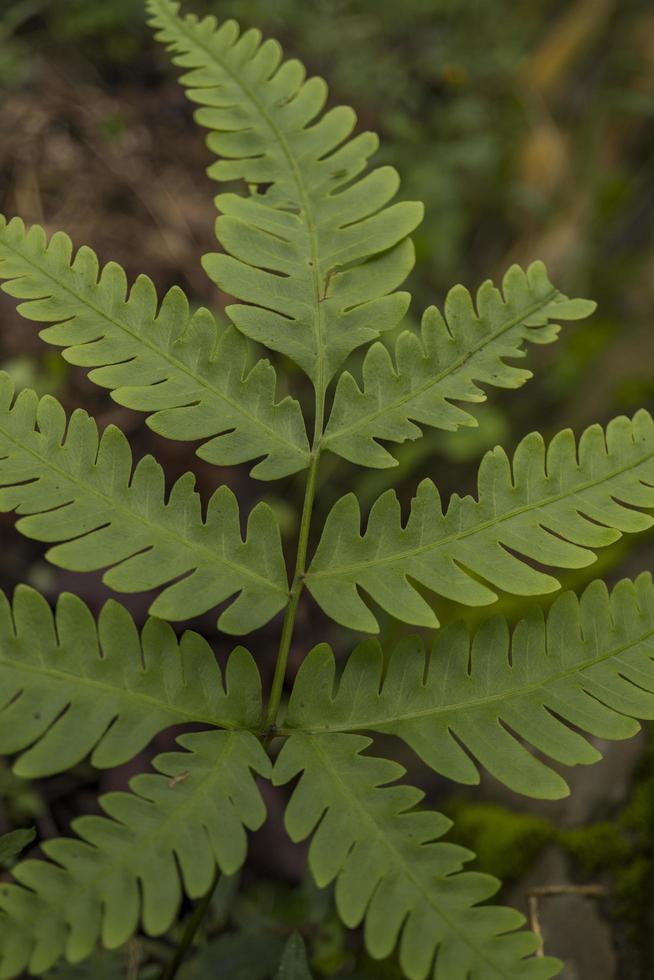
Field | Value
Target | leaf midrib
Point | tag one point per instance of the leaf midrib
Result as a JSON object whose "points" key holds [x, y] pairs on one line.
{"points": [[341, 570], [463, 706], [199, 379], [215, 558], [452, 368], [366, 817]]}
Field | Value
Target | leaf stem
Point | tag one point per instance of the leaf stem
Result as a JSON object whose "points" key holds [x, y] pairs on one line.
{"points": [[291, 609], [192, 927]]}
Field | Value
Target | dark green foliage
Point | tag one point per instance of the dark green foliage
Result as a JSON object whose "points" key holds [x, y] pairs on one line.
{"points": [[13, 843], [294, 964]]}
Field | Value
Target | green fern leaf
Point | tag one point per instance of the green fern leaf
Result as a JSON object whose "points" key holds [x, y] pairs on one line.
{"points": [[13, 843], [391, 869], [168, 834], [178, 366], [81, 490], [70, 687], [552, 505], [454, 352], [318, 264], [589, 664], [246, 954], [294, 964]]}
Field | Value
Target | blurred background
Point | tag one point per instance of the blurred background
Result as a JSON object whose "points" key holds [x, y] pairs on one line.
{"points": [[527, 129]]}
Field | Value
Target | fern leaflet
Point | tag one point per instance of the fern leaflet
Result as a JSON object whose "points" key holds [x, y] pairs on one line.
{"points": [[454, 352], [318, 264], [171, 831], [192, 377], [13, 843], [392, 871], [550, 504], [81, 490], [589, 664], [71, 687]]}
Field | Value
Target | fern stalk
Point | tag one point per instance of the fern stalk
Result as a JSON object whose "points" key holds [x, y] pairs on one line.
{"points": [[190, 932], [291, 609]]}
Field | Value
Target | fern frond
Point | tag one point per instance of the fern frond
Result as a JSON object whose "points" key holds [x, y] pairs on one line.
{"points": [[81, 489], [549, 504], [191, 377], [166, 836], [315, 252], [71, 686], [454, 352], [589, 664], [392, 871]]}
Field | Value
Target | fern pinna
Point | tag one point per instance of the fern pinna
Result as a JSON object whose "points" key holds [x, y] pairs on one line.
{"points": [[315, 252]]}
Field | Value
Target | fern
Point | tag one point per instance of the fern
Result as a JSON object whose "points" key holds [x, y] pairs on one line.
{"points": [[315, 253], [391, 869], [82, 490], [454, 352], [589, 664], [549, 504], [13, 843], [192, 378], [71, 687], [128, 865], [319, 267]]}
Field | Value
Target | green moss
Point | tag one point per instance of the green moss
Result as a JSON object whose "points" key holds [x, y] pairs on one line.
{"points": [[597, 847], [631, 887], [622, 846], [505, 843], [638, 814]]}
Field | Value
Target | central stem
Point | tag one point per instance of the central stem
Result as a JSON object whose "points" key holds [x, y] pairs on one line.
{"points": [[190, 931], [296, 589], [270, 718]]}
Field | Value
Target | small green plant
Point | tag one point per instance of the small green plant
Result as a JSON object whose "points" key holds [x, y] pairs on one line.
{"points": [[315, 253]]}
